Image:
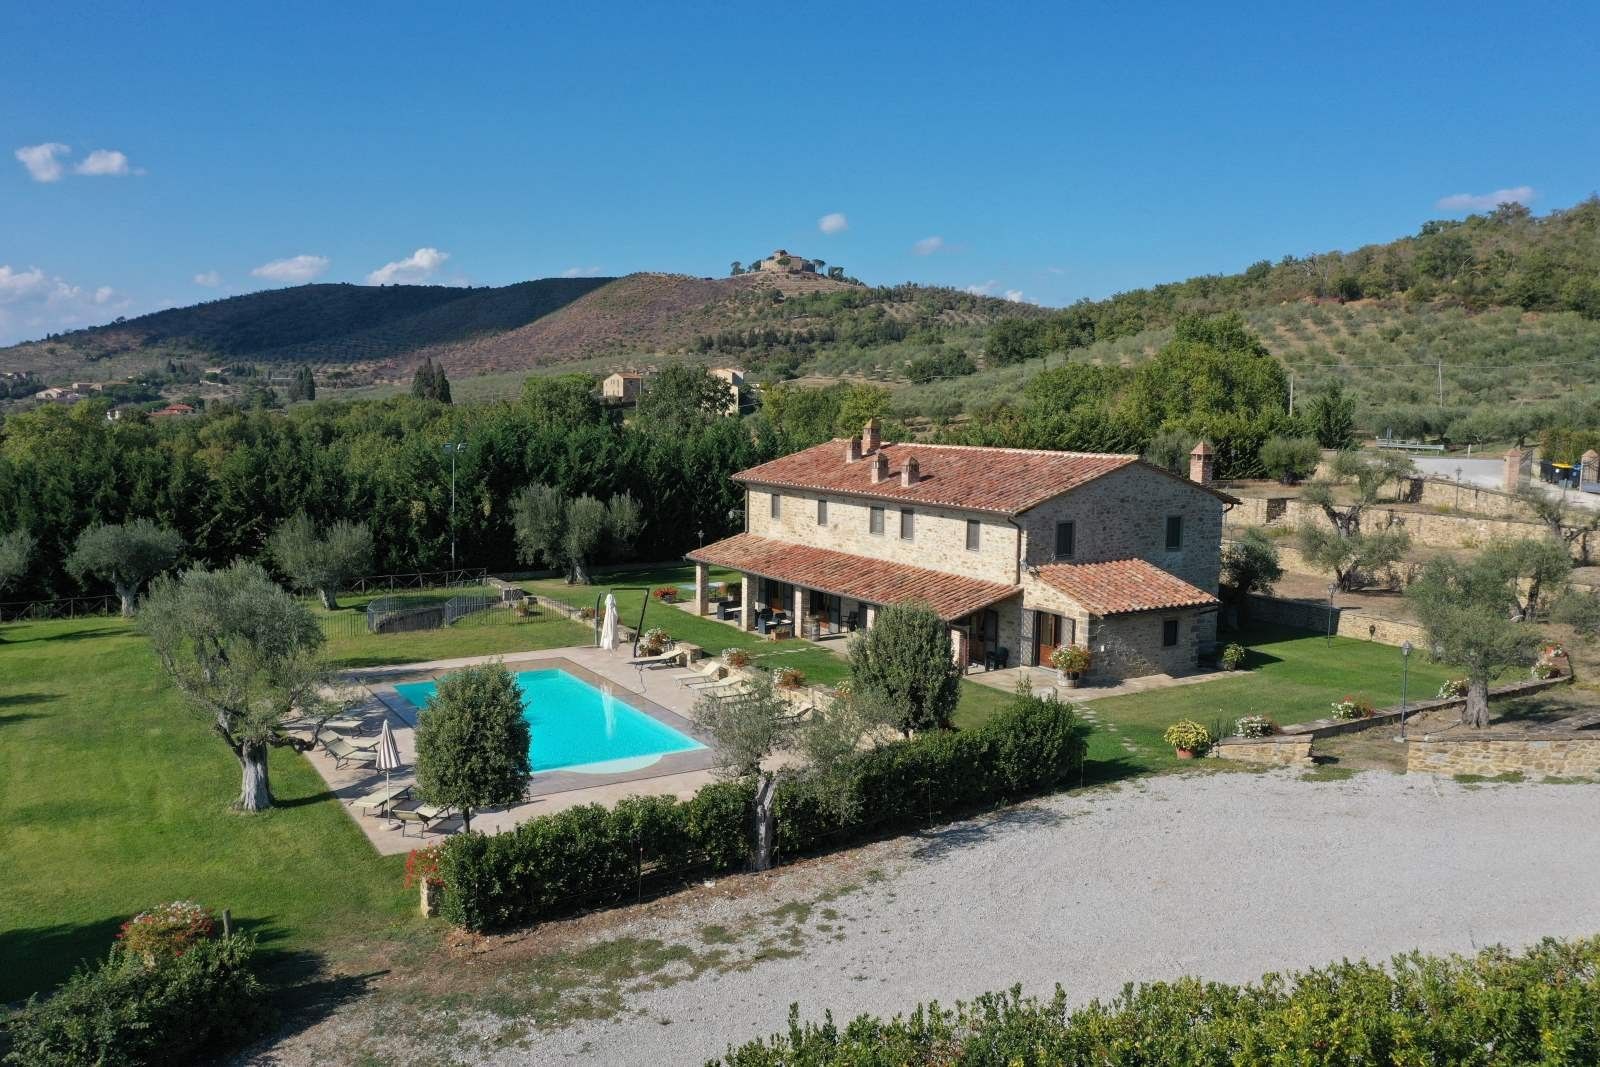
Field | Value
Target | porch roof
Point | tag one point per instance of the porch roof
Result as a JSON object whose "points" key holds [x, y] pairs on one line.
{"points": [[875, 581], [1123, 586]]}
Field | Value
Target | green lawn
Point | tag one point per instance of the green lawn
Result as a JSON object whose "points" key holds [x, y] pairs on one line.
{"points": [[493, 632], [819, 665]]}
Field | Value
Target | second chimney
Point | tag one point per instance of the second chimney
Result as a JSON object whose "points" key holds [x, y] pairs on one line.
{"points": [[871, 439], [910, 473], [1201, 463], [852, 451], [880, 468]]}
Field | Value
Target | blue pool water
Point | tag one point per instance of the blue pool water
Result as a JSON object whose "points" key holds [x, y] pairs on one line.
{"points": [[574, 724]]}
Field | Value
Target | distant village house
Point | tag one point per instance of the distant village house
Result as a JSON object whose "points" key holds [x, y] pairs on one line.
{"points": [[623, 387], [735, 379], [783, 262]]}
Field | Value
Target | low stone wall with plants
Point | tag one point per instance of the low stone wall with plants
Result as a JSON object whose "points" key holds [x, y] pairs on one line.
{"points": [[1275, 751], [1332, 727], [1561, 754]]}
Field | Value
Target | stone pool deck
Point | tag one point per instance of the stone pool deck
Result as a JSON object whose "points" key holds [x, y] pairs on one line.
{"points": [[658, 690]]}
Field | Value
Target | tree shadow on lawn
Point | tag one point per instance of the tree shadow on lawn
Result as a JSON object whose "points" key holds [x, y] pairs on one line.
{"points": [[51, 954], [26, 698], [65, 635]]}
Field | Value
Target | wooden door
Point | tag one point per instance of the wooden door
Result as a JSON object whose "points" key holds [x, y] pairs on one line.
{"points": [[1047, 636]]}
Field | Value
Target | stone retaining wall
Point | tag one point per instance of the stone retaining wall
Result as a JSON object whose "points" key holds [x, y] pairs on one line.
{"points": [[1348, 622], [1276, 751], [1391, 716], [1558, 754]]}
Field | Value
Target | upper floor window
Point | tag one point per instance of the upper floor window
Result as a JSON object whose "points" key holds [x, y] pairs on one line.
{"points": [[775, 505], [974, 534], [1066, 537], [1174, 532], [822, 513], [1169, 633], [875, 521], [908, 524]]}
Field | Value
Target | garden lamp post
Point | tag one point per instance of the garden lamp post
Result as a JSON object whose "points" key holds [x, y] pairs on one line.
{"points": [[1405, 684], [1333, 587], [452, 449]]}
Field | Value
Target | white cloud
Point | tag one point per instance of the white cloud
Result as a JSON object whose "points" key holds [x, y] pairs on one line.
{"points": [[928, 246], [295, 270], [41, 161], [1054, 270], [1014, 295], [416, 268], [33, 303], [208, 278], [103, 162], [985, 289], [834, 222], [1517, 194], [581, 272]]}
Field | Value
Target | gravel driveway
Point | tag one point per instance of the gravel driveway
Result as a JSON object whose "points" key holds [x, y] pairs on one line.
{"points": [[1220, 875]]}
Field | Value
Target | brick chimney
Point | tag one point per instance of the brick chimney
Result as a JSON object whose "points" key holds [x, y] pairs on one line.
{"points": [[1589, 468], [852, 451], [911, 473], [1202, 462], [880, 468], [871, 438]]}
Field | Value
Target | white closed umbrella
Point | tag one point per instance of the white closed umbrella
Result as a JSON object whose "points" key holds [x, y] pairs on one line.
{"points": [[388, 753], [608, 626]]}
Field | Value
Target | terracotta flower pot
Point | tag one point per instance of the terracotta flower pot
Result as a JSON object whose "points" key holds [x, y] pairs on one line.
{"points": [[1185, 753]]}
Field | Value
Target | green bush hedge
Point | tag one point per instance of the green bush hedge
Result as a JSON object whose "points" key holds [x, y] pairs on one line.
{"points": [[586, 856], [1497, 1008], [125, 1011]]}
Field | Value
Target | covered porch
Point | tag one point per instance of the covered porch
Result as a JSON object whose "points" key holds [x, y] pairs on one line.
{"points": [[802, 591]]}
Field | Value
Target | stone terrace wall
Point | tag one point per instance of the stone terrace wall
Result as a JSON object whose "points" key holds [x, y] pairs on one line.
{"points": [[1348, 622], [1277, 751], [1566, 754], [1386, 716]]}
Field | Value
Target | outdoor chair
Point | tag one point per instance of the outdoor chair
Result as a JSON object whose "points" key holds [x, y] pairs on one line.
{"points": [[996, 659], [344, 752], [659, 659], [423, 816], [708, 672], [380, 799]]}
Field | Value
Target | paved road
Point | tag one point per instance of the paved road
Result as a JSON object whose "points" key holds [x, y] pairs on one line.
{"points": [[1225, 876]]}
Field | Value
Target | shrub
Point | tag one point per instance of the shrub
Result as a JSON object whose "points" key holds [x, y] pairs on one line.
{"points": [[422, 865], [1453, 689], [1352, 708], [1288, 459], [1233, 657], [1255, 726], [1071, 659], [1188, 735], [1494, 1008], [178, 1009], [788, 677], [654, 640], [1546, 670], [736, 657], [589, 856], [166, 930]]}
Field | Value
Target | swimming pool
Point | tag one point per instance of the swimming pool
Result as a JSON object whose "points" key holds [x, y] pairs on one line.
{"points": [[576, 726]]}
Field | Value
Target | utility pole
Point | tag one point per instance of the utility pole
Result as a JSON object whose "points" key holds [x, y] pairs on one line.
{"points": [[452, 450], [1291, 392], [1441, 383]]}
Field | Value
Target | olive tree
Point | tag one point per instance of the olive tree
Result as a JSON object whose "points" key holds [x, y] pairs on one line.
{"points": [[321, 561], [569, 533], [472, 741], [246, 656], [1250, 565], [16, 553], [1471, 613], [1567, 520], [126, 554], [1354, 483], [1290, 459], [906, 662]]}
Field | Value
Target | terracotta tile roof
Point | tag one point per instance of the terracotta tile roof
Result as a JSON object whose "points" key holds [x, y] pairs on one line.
{"points": [[873, 580], [1122, 586], [1006, 481]]}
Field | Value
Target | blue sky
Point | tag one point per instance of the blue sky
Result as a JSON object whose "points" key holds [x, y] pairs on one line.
{"points": [[1047, 151]]}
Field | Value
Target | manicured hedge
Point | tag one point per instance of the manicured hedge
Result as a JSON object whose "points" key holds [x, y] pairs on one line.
{"points": [[588, 856], [1539, 1007], [174, 1009]]}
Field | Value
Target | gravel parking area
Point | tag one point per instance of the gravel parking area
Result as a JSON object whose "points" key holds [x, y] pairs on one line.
{"points": [[1221, 875]]}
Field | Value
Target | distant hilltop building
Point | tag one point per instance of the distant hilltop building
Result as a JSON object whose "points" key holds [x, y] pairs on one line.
{"points": [[783, 262], [623, 387]]}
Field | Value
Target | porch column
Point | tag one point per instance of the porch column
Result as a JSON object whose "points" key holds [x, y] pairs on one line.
{"points": [[871, 616], [701, 572], [799, 610], [958, 648], [746, 595]]}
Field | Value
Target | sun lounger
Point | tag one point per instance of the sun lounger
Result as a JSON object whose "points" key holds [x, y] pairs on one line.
{"points": [[708, 673], [380, 799], [731, 687], [659, 659], [344, 751], [423, 816]]}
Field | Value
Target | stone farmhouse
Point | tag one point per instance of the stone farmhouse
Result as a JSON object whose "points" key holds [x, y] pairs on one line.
{"points": [[734, 377], [1017, 549], [623, 387]]}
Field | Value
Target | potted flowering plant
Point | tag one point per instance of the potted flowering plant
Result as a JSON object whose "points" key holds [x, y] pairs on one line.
{"points": [[1255, 726], [788, 678], [1071, 663], [1352, 708], [1233, 657], [1187, 738], [667, 594], [422, 870], [654, 641], [735, 657]]}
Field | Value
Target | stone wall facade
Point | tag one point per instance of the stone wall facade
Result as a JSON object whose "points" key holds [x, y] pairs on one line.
{"points": [[1276, 751], [1573, 754]]}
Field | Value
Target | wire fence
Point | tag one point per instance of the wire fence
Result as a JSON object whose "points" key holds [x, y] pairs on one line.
{"points": [[373, 583], [76, 607]]}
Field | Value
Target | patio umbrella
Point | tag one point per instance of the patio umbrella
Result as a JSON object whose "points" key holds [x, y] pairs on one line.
{"points": [[388, 753], [608, 627]]}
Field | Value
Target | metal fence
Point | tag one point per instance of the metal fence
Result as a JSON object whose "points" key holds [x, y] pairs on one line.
{"points": [[67, 608], [408, 614], [373, 583]]}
